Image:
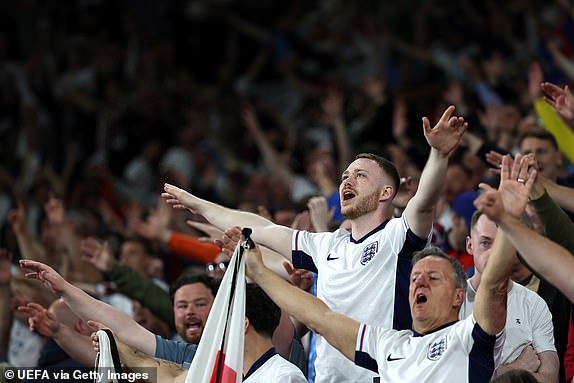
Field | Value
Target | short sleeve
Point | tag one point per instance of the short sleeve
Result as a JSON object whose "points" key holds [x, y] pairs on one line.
{"points": [[367, 348], [543, 329], [174, 351]]}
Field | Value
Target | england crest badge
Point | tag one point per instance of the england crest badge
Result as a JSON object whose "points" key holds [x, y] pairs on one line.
{"points": [[369, 252], [436, 349]]}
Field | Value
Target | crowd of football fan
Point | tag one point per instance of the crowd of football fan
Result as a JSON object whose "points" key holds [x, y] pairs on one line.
{"points": [[137, 137]]}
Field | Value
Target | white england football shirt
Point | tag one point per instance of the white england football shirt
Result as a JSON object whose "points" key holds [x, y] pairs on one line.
{"points": [[365, 279], [457, 352], [528, 321]]}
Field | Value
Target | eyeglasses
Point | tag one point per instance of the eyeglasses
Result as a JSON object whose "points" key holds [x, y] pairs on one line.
{"points": [[212, 267]]}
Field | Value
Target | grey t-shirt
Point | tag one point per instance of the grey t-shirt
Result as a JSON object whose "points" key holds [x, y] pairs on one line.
{"points": [[175, 351]]}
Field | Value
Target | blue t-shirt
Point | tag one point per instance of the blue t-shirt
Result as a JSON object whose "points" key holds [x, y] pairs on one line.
{"points": [[174, 351]]}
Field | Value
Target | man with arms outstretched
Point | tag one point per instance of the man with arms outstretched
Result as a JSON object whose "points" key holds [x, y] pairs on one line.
{"points": [[192, 296], [363, 274], [140, 346], [440, 348], [261, 363]]}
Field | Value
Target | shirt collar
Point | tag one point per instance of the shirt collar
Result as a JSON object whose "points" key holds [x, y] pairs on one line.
{"points": [[259, 362], [435, 329], [378, 228]]}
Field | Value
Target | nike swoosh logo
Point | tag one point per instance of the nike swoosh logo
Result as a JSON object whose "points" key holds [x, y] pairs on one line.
{"points": [[329, 258], [389, 359]]}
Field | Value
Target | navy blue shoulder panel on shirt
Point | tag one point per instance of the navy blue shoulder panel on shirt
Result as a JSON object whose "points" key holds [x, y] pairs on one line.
{"points": [[402, 319], [302, 260], [362, 359], [481, 357]]}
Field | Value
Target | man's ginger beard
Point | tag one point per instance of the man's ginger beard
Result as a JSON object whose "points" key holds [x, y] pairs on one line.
{"points": [[362, 206]]}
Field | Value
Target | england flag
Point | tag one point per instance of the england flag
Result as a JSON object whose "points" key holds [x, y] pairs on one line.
{"points": [[219, 356]]}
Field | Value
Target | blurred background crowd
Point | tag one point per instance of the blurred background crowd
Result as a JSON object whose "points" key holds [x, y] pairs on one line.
{"points": [[255, 104]]}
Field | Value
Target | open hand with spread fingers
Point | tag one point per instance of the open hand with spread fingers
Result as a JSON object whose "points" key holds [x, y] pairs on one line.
{"points": [[447, 133], [560, 99], [516, 180]]}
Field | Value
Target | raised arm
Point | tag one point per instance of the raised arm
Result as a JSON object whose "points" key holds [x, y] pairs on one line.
{"points": [[332, 105], [67, 236], [443, 139], [270, 155], [511, 199], [45, 323], [490, 303], [320, 214], [555, 123], [274, 236], [340, 331], [556, 265], [271, 259], [30, 247], [156, 228], [557, 225], [128, 281], [561, 99], [86, 307], [562, 195]]}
